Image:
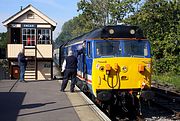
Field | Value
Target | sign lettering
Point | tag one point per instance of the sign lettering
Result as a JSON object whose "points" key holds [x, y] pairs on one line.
{"points": [[29, 25]]}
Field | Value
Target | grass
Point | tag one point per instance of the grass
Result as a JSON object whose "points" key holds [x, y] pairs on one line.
{"points": [[169, 79]]}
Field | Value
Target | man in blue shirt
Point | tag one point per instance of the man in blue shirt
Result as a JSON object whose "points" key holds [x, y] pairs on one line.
{"points": [[22, 65]]}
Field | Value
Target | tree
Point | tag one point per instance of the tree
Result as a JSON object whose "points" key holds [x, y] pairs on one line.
{"points": [[3, 40], [160, 19], [105, 12], [73, 28]]}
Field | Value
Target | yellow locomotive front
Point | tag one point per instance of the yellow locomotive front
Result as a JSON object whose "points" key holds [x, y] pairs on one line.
{"points": [[121, 65]]}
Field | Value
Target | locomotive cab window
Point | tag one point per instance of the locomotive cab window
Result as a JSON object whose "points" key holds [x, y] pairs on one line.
{"points": [[107, 48], [138, 48], [122, 48]]}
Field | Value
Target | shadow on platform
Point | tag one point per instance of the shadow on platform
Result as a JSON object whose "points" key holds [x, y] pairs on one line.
{"points": [[54, 109], [35, 105], [10, 105]]}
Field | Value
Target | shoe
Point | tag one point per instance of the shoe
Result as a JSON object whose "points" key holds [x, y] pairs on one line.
{"points": [[72, 91], [62, 90]]}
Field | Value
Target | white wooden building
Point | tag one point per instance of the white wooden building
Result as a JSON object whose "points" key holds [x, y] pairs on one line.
{"points": [[31, 31]]}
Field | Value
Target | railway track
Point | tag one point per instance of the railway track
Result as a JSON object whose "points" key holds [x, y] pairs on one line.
{"points": [[164, 106], [170, 101]]}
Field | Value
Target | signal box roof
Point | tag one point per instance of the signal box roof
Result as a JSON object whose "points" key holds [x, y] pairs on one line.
{"points": [[27, 9]]}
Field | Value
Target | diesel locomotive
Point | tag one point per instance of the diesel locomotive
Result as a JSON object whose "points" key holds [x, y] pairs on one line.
{"points": [[114, 66]]}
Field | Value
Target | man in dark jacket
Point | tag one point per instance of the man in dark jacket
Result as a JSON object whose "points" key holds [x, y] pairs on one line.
{"points": [[69, 68], [22, 65]]}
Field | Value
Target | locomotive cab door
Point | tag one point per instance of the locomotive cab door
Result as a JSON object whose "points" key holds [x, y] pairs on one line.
{"points": [[88, 64]]}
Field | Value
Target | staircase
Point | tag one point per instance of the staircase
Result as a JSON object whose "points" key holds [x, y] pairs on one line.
{"points": [[30, 53]]}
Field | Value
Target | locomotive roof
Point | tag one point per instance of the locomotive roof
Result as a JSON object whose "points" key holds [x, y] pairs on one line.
{"points": [[118, 31]]}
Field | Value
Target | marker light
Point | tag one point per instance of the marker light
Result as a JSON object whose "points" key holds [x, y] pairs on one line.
{"points": [[132, 31], [111, 31]]}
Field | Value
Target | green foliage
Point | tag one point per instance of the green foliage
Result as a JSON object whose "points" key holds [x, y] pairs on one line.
{"points": [[168, 79], [160, 20], [3, 40], [105, 12], [73, 28]]}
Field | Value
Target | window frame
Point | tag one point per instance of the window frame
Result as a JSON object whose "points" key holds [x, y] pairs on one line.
{"points": [[30, 34], [42, 33]]}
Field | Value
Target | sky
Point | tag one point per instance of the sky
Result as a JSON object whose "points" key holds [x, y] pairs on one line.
{"points": [[58, 10]]}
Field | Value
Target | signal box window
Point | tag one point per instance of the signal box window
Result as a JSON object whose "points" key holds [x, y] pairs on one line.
{"points": [[29, 36], [44, 36], [15, 36]]}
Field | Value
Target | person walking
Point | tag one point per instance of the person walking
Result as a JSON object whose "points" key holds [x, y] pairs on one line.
{"points": [[69, 67], [22, 65]]}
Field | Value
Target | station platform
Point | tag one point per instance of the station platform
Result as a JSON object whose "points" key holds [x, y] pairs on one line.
{"points": [[43, 101]]}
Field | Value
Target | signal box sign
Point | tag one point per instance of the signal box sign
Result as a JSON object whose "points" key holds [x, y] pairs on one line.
{"points": [[29, 25]]}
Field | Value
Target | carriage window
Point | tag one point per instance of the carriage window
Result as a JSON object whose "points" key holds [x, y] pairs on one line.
{"points": [[44, 36], [29, 36]]}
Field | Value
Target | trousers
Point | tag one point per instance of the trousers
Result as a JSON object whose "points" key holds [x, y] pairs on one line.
{"points": [[22, 72], [69, 73]]}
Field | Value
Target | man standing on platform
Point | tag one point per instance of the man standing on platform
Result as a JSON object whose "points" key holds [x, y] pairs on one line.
{"points": [[69, 68], [22, 65]]}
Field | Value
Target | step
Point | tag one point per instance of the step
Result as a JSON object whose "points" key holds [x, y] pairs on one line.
{"points": [[29, 77], [29, 47], [30, 71], [30, 74], [31, 66]]}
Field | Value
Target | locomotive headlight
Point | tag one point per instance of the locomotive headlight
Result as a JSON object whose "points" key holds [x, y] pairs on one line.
{"points": [[132, 31], [111, 31], [124, 69]]}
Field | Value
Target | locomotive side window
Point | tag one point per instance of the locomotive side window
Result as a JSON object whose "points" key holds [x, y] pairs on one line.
{"points": [[89, 50], [44, 36]]}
